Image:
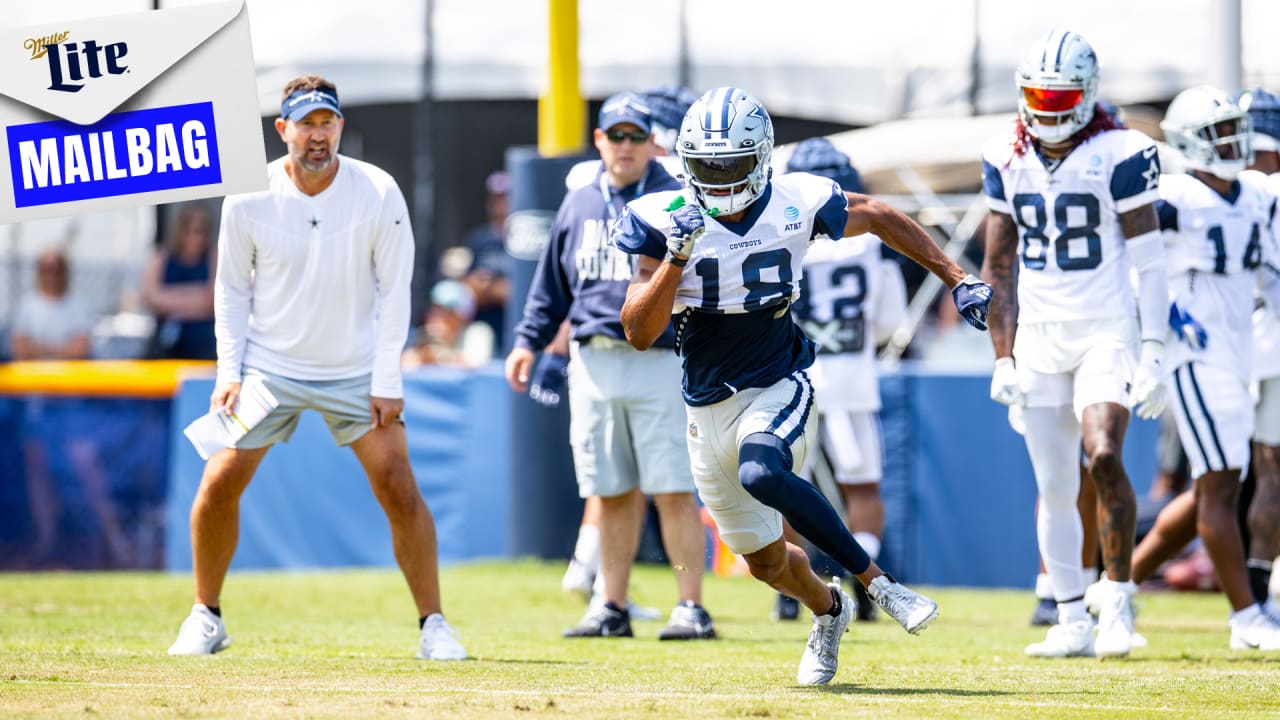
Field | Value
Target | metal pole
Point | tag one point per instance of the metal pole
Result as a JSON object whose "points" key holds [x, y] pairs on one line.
{"points": [[561, 115], [424, 181], [1228, 73], [685, 69], [975, 61]]}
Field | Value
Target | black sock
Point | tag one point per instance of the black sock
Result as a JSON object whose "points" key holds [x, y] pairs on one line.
{"points": [[1259, 579], [836, 605], [215, 609], [422, 621]]}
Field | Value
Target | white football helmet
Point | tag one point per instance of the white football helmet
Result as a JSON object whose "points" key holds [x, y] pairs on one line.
{"points": [[1057, 87], [725, 143], [1209, 130]]}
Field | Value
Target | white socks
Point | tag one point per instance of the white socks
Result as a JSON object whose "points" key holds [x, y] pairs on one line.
{"points": [[587, 549], [869, 542]]}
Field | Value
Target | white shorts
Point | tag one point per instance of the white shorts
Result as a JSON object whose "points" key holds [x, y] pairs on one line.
{"points": [[1103, 375], [1266, 421], [853, 445], [626, 419], [1215, 417], [344, 405], [784, 409]]}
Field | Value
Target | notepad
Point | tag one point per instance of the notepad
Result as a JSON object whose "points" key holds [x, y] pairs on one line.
{"points": [[219, 429]]}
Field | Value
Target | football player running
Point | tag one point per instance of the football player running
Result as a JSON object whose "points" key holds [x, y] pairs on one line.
{"points": [[1070, 200], [1218, 223], [724, 256]]}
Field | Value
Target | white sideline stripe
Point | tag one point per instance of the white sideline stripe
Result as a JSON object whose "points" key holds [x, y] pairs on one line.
{"points": [[542, 692]]}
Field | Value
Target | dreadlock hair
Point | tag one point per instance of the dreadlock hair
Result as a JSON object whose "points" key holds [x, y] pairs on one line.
{"points": [[1101, 122]]}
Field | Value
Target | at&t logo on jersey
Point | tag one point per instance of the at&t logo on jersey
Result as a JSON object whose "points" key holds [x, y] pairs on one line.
{"points": [[71, 63], [791, 213]]}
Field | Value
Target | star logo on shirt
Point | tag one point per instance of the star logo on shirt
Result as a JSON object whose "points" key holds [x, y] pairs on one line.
{"points": [[1152, 175], [315, 222]]}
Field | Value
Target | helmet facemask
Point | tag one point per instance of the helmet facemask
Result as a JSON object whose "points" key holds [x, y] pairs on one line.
{"points": [[1210, 131], [1057, 88], [725, 144]]}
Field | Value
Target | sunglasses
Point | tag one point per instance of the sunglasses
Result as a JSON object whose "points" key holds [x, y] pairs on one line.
{"points": [[639, 137]]}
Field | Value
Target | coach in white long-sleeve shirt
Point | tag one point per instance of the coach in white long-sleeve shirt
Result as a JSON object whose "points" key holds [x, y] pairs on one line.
{"points": [[312, 298]]}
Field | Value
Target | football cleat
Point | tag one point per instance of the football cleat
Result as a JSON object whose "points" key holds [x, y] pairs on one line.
{"points": [[1073, 639], [785, 608], [1046, 613], [912, 610], [821, 655]]}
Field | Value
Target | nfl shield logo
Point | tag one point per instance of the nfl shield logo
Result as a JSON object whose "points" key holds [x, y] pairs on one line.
{"points": [[693, 429]]}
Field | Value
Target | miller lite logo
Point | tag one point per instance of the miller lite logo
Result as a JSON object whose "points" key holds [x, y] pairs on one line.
{"points": [[70, 62]]}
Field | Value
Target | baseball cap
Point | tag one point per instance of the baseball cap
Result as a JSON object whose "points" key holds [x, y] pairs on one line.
{"points": [[302, 101], [625, 108]]}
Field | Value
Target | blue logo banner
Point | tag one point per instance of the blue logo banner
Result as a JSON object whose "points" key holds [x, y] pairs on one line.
{"points": [[125, 153]]}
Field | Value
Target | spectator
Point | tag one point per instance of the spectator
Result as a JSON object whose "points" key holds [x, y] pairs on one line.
{"points": [[488, 275], [52, 324], [450, 334], [177, 285]]}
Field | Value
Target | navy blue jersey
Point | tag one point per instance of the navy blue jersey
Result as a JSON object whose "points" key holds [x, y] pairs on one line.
{"points": [[581, 274], [733, 323]]}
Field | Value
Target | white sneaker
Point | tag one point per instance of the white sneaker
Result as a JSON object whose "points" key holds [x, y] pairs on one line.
{"points": [[578, 579], [1115, 620], [1073, 639], [438, 641], [202, 633], [1259, 631], [822, 651], [912, 610]]}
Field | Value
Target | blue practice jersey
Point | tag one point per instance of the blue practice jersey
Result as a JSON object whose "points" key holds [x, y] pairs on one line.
{"points": [[733, 322], [581, 275]]}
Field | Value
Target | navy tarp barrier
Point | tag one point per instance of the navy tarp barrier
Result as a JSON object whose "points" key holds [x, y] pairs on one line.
{"points": [[310, 504], [82, 482], [958, 488]]}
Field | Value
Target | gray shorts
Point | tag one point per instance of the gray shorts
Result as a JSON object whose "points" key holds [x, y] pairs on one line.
{"points": [[344, 405], [627, 421]]}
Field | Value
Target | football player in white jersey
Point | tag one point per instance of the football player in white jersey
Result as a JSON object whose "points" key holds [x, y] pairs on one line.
{"points": [[851, 300], [1071, 203], [1264, 509], [1218, 224], [724, 256]]}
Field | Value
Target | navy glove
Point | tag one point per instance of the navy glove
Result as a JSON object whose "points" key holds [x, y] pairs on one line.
{"points": [[972, 297], [686, 228], [1187, 328], [547, 383]]}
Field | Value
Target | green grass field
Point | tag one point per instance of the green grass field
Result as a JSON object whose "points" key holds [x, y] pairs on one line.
{"points": [[340, 644]]}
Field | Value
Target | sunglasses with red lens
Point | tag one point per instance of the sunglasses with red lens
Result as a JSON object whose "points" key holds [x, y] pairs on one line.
{"points": [[1047, 100], [639, 137]]}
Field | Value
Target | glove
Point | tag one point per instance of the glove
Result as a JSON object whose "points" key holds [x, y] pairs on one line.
{"points": [[686, 228], [1004, 383], [1187, 328], [972, 297], [1148, 396], [1018, 419], [548, 380]]}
